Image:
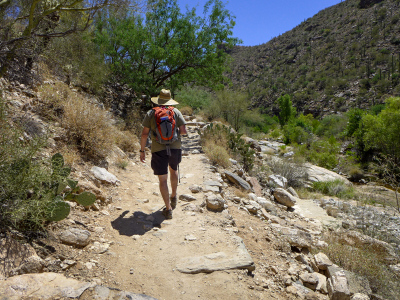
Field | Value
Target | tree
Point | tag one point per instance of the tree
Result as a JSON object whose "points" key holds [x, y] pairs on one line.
{"points": [[167, 48], [286, 109], [27, 25], [381, 132]]}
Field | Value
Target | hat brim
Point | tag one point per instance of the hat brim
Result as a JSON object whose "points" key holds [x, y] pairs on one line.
{"points": [[159, 101]]}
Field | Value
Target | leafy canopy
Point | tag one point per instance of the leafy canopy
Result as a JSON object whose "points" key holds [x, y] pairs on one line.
{"points": [[167, 48], [286, 109], [382, 131]]}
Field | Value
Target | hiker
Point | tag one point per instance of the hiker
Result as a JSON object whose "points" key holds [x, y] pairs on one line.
{"points": [[164, 155]]}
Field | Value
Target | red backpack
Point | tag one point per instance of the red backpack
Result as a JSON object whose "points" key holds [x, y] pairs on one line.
{"points": [[166, 129]]}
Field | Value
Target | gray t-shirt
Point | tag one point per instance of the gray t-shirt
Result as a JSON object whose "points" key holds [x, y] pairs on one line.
{"points": [[150, 122]]}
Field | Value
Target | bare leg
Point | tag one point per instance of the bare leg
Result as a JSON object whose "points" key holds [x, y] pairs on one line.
{"points": [[174, 181], [164, 190]]}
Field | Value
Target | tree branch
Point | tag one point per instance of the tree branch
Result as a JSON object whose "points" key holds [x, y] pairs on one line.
{"points": [[4, 2]]}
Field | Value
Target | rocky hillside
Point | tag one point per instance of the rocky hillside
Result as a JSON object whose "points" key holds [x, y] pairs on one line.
{"points": [[232, 236], [345, 56]]}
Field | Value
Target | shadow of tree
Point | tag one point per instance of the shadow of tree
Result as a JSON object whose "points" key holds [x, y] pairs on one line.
{"points": [[138, 223]]}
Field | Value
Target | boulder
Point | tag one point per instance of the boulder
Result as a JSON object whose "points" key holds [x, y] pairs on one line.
{"points": [[255, 185], [235, 179], [18, 258], [284, 197], [319, 174], [338, 287], [195, 188], [215, 202], [293, 192], [104, 176], [309, 280], [75, 237], [278, 180], [322, 261]]}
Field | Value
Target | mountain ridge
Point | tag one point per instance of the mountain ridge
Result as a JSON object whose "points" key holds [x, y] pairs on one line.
{"points": [[343, 57]]}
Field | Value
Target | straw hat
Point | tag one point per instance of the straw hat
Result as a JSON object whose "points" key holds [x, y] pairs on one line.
{"points": [[164, 98]]}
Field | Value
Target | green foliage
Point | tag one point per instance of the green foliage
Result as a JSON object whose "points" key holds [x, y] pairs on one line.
{"points": [[57, 210], [382, 131], [258, 122], [299, 130], [337, 188], [167, 48], [322, 152], [229, 105], [238, 145], [286, 109], [32, 187], [226, 138], [195, 97], [77, 58], [355, 116], [331, 125], [28, 26]]}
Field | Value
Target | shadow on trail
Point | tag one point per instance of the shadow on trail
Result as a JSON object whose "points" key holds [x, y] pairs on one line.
{"points": [[138, 223]]}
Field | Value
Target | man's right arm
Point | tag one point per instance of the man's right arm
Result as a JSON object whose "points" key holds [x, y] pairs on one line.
{"points": [[143, 141]]}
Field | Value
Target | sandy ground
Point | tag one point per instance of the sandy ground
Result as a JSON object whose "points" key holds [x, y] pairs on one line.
{"points": [[146, 248]]}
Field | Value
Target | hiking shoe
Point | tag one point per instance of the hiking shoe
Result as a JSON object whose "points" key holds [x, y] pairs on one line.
{"points": [[173, 202], [167, 213]]}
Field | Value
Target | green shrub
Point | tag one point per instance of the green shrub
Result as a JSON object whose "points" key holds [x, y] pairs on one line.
{"points": [[331, 125], [194, 97], [295, 173], [224, 137], [337, 188], [32, 187]]}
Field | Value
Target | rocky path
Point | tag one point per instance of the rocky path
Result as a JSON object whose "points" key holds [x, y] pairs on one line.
{"points": [[157, 257], [247, 250]]}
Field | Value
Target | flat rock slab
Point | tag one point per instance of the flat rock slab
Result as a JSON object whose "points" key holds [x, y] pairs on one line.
{"points": [[42, 286], [48, 286], [104, 293], [211, 188], [237, 180], [218, 261], [212, 183], [319, 174]]}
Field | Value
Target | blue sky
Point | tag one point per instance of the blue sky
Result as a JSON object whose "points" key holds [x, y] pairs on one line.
{"points": [[258, 21]]}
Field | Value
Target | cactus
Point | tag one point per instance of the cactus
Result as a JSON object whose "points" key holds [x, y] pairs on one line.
{"points": [[57, 210], [86, 198]]}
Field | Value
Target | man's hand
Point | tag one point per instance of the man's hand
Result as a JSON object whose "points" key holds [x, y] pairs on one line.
{"points": [[142, 157]]}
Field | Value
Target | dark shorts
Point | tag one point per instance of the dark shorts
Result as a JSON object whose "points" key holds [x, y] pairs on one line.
{"points": [[160, 161]]}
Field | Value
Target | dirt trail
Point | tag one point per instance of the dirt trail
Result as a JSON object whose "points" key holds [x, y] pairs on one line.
{"points": [[146, 248]]}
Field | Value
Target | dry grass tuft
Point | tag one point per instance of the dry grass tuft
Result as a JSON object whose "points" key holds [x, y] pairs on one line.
{"points": [[88, 127], [70, 154], [366, 262], [186, 110], [217, 154], [127, 141], [239, 193]]}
